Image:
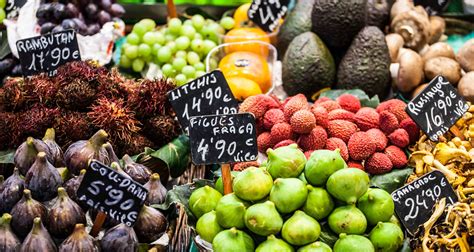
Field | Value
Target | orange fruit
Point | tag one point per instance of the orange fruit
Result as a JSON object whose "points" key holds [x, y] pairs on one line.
{"points": [[240, 15], [242, 87], [244, 35], [247, 65]]}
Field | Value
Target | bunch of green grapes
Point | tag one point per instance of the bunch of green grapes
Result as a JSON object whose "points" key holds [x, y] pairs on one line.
{"points": [[179, 48], [3, 14]]}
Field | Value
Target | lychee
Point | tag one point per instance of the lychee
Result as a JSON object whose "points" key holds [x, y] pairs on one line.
{"points": [[341, 129], [308, 154], [302, 121], [411, 128], [388, 122], [295, 103], [283, 143], [322, 99], [329, 105], [244, 165], [367, 118], [379, 137], [378, 163], [258, 105], [281, 131], [315, 140], [394, 106], [334, 143], [264, 141], [397, 156], [349, 102], [355, 164], [399, 138], [321, 115], [360, 146], [272, 117], [341, 114]]}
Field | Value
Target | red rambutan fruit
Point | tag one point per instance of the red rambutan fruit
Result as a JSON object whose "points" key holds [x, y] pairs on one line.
{"points": [[149, 98], [161, 129], [35, 121]]}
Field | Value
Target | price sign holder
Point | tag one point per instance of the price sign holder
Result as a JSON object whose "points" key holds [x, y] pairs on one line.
{"points": [[47, 52], [266, 14], [111, 193], [207, 95], [437, 108], [223, 139], [414, 202], [433, 7]]}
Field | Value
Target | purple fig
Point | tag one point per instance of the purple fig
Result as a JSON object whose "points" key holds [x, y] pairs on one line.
{"points": [[24, 212], [150, 224], [43, 179], [26, 154], [138, 172], [11, 191], [120, 238], [64, 215], [8, 241], [56, 152], [77, 156], [79, 240], [156, 191], [38, 239], [116, 166], [110, 150], [71, 187]]}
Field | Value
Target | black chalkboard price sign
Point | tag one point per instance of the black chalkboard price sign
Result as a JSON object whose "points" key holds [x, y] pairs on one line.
{"points": [[13, 7], [108, 191], [437, 108], [414, 203], [267, 13], [47, 52], [218, 139], [207, 95], [433, 7]]}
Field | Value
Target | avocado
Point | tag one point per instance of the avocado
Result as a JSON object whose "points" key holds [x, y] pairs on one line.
{"points": [[308, 65], [366, 64], [378, 13], [296, 22], [338, 21]]}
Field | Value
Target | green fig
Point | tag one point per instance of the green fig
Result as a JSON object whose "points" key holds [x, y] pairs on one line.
{"points": [[288, 194], [207, 226], [321, 165], [348, 184], [315, 247], [203, 200], [219, 186], [286, 162], [300, 229], [395, 221], [263, 219], [233, 240], [352, 243], [302, 177], [347, 219], [386, 237], [377, 205], [252, 184], [274, 244], [319, 203], [230, 211]]}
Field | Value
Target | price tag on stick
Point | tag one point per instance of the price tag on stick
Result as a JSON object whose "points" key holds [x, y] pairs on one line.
{"points": [[47, 52], [414, 203], [111, 193], [267, 13], [437, 107], [207, 95]]}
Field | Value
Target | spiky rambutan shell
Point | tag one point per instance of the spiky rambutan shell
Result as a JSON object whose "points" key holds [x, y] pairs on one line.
{"points": [[161, 129], [72, 126], [35, 121], [111, 84], [7, 129], [45, 88], [17, 94], [149, 98], [116, 118], [85, 70], [76, 95], [137, 145]]}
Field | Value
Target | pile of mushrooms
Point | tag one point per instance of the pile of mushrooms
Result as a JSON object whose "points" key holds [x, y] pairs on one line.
{"points": [[418, 53]]}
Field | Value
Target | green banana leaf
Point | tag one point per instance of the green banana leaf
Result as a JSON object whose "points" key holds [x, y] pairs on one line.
{"points": [[365, 100], [175, 155], [6, 157], [391, 181]]}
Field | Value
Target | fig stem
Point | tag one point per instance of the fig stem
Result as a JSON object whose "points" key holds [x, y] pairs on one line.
{"points": [[98, 139], [127, 159], [49, 135], [5, 220]]}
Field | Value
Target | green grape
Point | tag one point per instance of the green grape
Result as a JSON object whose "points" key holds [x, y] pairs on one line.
{"points": [[180, 54], [198, 21], [138, 65], [3, 3], [199, 73], [125, 62], [188, 31], [159, 38], [133, 39], [198, 36], [180, 79], [189, 71], [164, 54], [193, 58], [208, 45], [148, 23], [172, 45], [167, 70], [144, 50], [174, 25], [178, 64], [197, 45], [227, 23], [199, 66], [188, 22], [125, 45], [140, 29], [155, 49], [149, 38], [210, 34], [170, 37], [148, 58], [213, 63], [131, 52], [182, 43]]}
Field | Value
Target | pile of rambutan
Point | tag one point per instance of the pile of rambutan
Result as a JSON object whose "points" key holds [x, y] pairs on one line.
{"points": [[83, 98], [370, 139]]}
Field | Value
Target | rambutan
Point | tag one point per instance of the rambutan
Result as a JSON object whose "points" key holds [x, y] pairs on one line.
{"points": [[341, 114], [45, 88], [399, 138], [349, 102], [360, 146], [35, 121], [302, 121], [294, 104], [264, 142], [8, 130], [283, 143], [397, 156], [113, 85], [329, 105], [334, 143], [72, 126], [149, 98], [161, 129], [137, 145], [85, 70], [321, 115], [379, 137], [17, 94], [315, 140], [411, 128], [378, 163], [115, 118], [341, 129], [272, 117], [281, 131], [388, 122], [76, 94], [367, 118]]}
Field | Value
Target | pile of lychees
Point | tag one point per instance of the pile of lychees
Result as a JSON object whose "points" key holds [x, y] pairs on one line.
{"points": [[369, 139]]}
